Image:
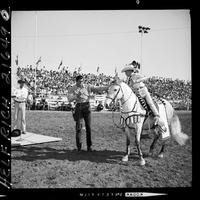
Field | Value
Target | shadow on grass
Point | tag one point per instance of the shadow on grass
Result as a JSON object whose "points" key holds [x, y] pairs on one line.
{"points": [[34, 153]]}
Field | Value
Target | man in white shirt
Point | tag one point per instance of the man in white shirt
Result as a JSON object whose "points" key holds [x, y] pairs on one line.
{"points": [[20, 98]]}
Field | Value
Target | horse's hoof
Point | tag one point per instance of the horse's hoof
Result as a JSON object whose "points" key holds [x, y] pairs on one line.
{"points": [[142, 162], [125, 158], [161, 155]]}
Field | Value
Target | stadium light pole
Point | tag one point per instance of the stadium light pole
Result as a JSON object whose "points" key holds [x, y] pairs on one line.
{"points": [[35, 50], [142, 30]]}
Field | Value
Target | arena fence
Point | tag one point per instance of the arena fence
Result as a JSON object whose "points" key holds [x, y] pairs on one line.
{"points": [[62, 104]]}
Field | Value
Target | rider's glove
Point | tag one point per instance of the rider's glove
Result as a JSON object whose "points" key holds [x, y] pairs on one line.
{"points": [[156, 119]]}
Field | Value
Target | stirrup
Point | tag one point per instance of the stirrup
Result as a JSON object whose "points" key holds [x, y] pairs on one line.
{"points": [[162, 128]]}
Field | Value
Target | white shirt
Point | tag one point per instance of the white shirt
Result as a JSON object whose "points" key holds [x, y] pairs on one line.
{"points": [[21, 94]]}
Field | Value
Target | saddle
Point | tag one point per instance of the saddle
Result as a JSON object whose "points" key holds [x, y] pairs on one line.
{"points": [[162, 124], [156, 100]]}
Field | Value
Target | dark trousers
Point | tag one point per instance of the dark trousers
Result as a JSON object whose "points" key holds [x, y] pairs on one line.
{"points": [[83, 112]]}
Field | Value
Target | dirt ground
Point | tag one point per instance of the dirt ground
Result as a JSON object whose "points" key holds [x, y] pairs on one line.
{"points": [[59, 165]]}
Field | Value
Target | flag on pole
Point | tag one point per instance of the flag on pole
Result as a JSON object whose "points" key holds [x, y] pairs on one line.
{"points": [[16, 61], [116, 74], [138, 64], [39, 60], [97, 69], [63, 69], [60, 64], [79, 69]]}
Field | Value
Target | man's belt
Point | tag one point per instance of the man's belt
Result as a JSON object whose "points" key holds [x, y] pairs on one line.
{"points": [[19, 101], [83, 103]]}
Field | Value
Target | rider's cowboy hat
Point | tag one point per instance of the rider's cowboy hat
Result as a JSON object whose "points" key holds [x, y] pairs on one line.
{"points": [[21, 81], [128, 68], [15, 133]]}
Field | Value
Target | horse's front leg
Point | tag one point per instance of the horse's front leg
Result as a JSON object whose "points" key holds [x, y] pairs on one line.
{"points": [[137, 141], [128, 148]]}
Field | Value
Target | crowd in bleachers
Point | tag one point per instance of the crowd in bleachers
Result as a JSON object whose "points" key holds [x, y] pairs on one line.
{"points": [[57, 82], [178, 92]]}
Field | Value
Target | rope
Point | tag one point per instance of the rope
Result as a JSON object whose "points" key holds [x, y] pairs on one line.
{"points": [[117, 125], [127, 118]]}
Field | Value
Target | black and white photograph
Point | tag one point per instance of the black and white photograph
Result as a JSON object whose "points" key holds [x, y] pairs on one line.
{"points": [[101, 99]]}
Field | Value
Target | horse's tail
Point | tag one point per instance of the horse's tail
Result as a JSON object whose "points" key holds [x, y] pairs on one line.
{"points": [[176, 132]]}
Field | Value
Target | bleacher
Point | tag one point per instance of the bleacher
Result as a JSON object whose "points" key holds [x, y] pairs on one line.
{"points": [[56, 83]]}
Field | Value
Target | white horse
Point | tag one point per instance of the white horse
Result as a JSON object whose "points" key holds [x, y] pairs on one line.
{"points": [[133, 113]]}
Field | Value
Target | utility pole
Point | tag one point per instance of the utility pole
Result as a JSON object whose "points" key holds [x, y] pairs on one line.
{"points": [[35, 51], [142, 30]]}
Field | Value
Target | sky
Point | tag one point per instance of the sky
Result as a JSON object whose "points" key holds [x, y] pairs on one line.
{"points": [[106, 38]]}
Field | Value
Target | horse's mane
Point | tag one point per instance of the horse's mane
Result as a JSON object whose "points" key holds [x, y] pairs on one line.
{"points": [[126, 85], [120, 82]]}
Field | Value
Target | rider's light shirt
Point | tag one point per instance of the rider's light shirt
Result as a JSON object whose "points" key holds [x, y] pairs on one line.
{"points": [[135, 78], [136, 84]]}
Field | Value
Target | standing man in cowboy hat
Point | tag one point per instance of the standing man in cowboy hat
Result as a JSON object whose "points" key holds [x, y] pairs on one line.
{"points": [[20, 98], [135, 81], [80, 93]]}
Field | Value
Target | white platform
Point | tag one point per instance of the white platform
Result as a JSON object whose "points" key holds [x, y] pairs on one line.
{"points": [[32, 138]]}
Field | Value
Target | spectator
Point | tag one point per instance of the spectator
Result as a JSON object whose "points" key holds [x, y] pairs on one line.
{"points": [[81, 94], [29, 101], [20, 98]]}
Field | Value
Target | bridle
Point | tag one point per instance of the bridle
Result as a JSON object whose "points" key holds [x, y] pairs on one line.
{"points": [[113, 99]]}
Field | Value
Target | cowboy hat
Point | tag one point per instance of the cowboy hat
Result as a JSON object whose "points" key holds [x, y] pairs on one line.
{"points": [[21, 81], [15, 133], [127, 68]]}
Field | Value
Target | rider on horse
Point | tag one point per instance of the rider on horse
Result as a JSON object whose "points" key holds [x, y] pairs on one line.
{"points": [[135, 82]]}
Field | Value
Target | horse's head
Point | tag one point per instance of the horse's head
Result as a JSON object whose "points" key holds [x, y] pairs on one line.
{"points": [[114, 93]]}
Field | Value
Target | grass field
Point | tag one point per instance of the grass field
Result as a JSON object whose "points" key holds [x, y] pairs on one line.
{"points": [[58, 165]]}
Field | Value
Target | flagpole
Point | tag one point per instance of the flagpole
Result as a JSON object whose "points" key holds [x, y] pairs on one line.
{"points": [[98, 75], [141, 52], [35, 48]]}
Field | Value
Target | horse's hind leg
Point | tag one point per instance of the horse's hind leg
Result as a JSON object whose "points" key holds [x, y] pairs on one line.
{"points": [[163, 149], [160, 155], [155, 140]]}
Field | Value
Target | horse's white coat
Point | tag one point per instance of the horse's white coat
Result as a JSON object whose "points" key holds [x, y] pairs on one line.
{"points": [[129, 102]]}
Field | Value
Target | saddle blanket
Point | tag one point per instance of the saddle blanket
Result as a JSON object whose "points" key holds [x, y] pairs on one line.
{"points": [[32, 138], [165, 135]]}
